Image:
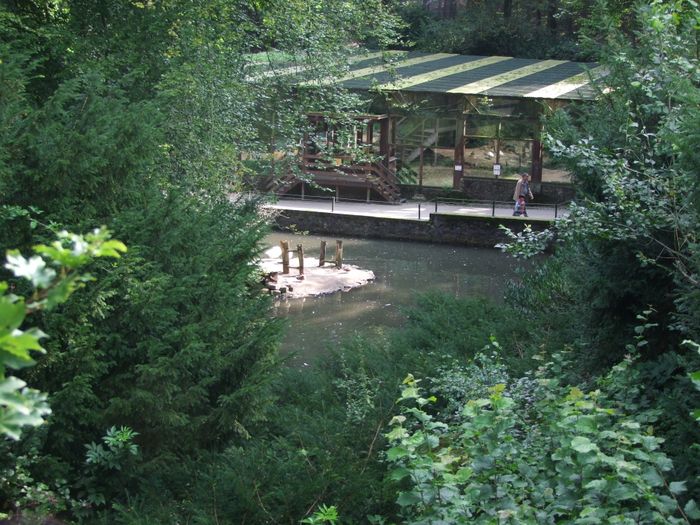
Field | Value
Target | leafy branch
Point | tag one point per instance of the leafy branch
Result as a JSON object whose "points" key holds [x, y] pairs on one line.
{"points": [[54, 275]]}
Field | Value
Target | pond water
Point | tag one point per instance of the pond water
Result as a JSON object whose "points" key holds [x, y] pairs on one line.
{"points": [[402, 270]]}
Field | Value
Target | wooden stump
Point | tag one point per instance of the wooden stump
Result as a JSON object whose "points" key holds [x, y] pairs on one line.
{"points": [[338, 253], [322, 256], [284, 246], [300, 255]]}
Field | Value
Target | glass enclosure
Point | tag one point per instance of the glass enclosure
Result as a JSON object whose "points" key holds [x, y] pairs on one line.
{"points": [[432, 144]]}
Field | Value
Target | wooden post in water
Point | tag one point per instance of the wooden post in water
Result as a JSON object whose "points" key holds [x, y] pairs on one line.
{"points": [[284, 246], [338, 253], [300, 255], [322, 256]]}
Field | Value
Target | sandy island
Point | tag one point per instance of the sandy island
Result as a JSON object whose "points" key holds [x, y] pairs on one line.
{"points": [[316, 280]]}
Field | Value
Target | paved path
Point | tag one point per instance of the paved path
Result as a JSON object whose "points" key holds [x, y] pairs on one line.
{"points": [[414, 210]]}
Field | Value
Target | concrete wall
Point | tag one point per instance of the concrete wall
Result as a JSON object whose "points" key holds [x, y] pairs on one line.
{"points": [[451, 229]]}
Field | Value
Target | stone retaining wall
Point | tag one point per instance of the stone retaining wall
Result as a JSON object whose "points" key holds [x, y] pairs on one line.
{"points": [[450, 229]]}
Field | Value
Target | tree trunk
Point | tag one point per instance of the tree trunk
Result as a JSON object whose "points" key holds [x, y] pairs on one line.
{"points": [[507, 8], [551, 15]]}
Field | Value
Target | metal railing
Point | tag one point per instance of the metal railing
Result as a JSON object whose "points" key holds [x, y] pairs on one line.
{"points": [[494, 204], [444, 205]]}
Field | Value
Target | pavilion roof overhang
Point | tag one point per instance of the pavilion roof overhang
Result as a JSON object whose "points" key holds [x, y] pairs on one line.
{"points": [[447, 73]]}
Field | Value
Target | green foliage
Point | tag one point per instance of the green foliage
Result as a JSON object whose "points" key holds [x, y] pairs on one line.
{"points": [[323, 515], [695, 378], [440, 329], [542, 455], [326, 424], [54, 275], [22, 491], [108, 465], [119, 446], [530, 28]]}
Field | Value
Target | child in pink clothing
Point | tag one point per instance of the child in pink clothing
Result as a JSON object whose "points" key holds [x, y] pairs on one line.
{"points": [[520, 207]]}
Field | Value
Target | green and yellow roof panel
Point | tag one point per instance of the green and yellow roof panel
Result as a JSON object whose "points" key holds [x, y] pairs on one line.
{"points": [[493, 76]]}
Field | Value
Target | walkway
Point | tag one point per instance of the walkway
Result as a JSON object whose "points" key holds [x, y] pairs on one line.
{"points": [[414, 210]]}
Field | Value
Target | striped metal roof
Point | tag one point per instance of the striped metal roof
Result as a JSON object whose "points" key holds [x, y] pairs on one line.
{"points": [[493, 76]]}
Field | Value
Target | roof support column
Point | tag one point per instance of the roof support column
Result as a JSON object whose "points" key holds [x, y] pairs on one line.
{"points": [[459, 153], [536, 169]]}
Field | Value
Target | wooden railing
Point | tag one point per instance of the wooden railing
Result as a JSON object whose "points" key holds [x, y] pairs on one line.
{"points": [[376, 175]]}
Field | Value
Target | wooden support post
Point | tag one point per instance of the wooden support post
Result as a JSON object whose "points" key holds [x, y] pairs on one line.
{"points": [[498, 143], [384, 139], [420, 166], [322, 256], [338, 253], [284, 246], [300, 255], [536, 169], [459, 154], [437, 138]]}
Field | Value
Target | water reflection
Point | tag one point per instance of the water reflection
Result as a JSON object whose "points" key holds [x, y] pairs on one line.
{"points": [[402, 270]]}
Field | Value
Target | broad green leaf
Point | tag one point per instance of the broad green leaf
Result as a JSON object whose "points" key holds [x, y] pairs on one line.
{"points": [[395, 453], [677, 487], [599, 485], [409, 393], [396, 433], [695, 377], [586, 424], [19, 407], [408, 498], [691, 510], [583, 445], [463, 474], [398, 474], [622, 492], [397, 420], [11, 314], [19, 343]]}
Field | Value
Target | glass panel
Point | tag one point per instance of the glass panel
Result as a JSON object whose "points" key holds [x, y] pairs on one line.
{"points": [[518, 129], [447, 133], [481, 126], [515, 157], [409, 130], [479, 156]]}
